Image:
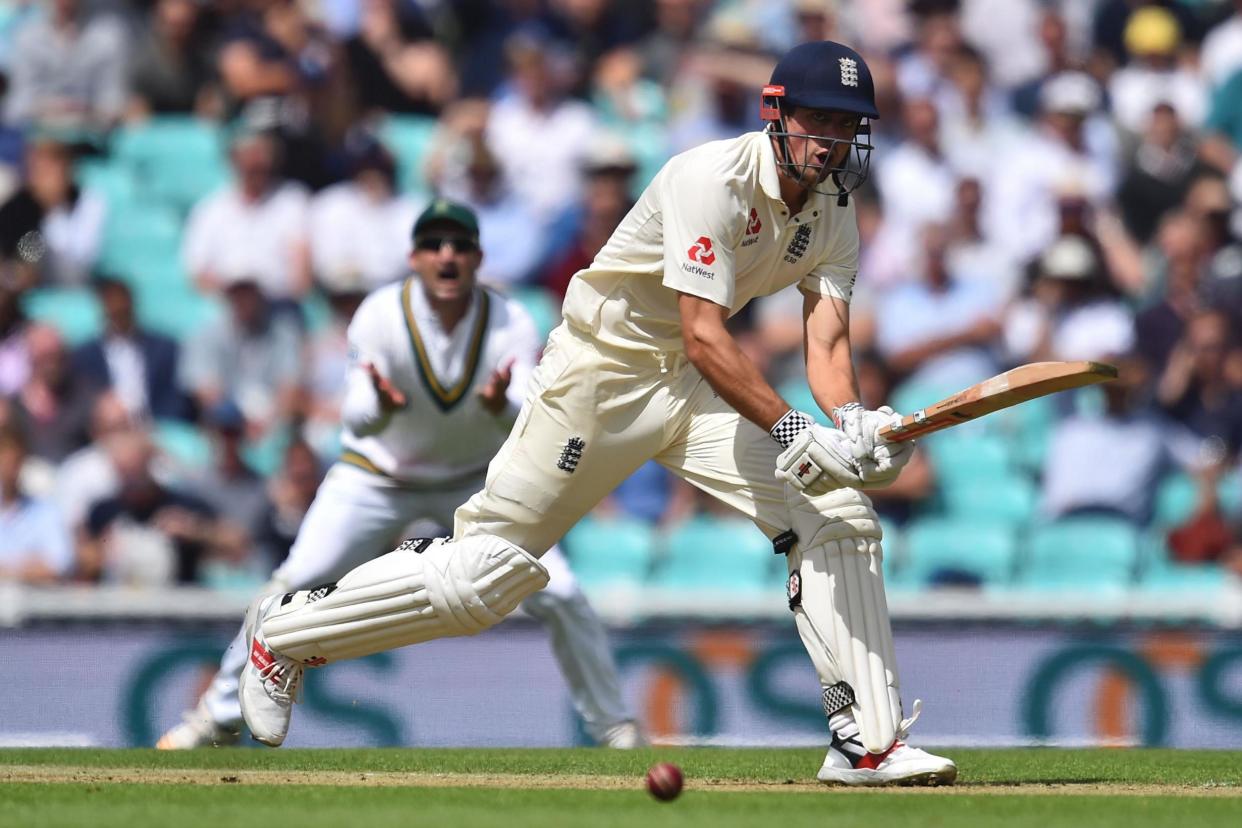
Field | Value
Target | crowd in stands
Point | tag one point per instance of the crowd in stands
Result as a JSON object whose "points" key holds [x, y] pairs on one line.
{"points": [[196, 194]]}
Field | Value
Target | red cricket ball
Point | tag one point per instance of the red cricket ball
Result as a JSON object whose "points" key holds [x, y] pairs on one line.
{"points": [[664, 781]]}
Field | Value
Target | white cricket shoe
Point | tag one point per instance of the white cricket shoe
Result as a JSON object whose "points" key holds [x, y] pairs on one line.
{"points": [[899, 765], [623, 736], [198, 729], [270, 683]]}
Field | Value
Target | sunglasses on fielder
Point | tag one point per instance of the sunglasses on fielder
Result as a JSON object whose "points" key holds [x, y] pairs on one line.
{"points": [[460, 244]]}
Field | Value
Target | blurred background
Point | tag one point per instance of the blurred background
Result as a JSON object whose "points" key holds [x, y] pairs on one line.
{"points": [[196, 194]]}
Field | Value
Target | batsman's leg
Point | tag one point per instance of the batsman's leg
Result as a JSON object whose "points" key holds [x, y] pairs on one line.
{"points": [[836, 588], [353, 518], [580, 644]]}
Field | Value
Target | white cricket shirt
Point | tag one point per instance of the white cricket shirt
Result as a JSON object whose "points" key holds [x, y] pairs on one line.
{"points": [[443, 434], [711, 224]]}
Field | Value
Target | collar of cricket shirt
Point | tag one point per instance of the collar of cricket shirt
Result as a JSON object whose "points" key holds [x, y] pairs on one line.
{"points": [[443, 395]]}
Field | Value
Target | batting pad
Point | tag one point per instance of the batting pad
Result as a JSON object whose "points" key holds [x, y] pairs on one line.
{"points": [[451, 588], [844, 624]]}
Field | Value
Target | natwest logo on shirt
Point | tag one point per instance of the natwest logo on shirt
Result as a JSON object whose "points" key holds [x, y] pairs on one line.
{"points": [[701, 251], [754, 225]]}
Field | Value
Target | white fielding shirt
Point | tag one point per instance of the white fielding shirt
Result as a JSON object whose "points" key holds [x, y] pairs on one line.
{"points": [[711, 224], [443, 434]]}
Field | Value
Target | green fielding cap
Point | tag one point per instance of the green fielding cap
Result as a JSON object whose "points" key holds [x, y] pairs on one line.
{"points": [[441, 209]]}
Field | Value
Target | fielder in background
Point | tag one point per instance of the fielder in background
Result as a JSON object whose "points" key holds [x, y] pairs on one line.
{"points": [[643, 367], [439, 365]]}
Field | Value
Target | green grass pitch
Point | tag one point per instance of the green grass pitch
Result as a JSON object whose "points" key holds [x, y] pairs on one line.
{"points": [[592, 787]]}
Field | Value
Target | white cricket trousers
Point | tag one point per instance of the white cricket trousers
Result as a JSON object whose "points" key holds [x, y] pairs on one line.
{"points": [[625, 407], [357, 515]]}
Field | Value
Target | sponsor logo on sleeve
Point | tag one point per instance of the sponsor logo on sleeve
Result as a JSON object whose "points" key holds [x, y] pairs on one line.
{"points": [[700, 253]]}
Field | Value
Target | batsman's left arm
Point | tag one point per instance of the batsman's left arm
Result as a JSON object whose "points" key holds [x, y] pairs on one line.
{"points": [[829, 364]]}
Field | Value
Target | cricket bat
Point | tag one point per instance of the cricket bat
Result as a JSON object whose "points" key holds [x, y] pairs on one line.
{"points": [[1026, 382]]}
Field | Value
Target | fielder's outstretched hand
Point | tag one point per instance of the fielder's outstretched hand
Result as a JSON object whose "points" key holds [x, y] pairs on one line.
{"points": [[492, 392], [390, 397]]}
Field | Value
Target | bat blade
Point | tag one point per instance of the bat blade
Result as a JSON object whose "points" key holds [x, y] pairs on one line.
{"points": [[1026, 382]]}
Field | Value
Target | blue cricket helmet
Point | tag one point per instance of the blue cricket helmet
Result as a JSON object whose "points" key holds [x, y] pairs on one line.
{"points": [[822, 75], [826, 75]]}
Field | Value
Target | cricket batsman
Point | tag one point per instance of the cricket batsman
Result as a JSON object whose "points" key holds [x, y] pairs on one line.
{"points": [[438, 368], [643, 367]]}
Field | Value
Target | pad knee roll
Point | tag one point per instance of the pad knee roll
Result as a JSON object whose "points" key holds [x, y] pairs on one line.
{"points": [[421, 591]]}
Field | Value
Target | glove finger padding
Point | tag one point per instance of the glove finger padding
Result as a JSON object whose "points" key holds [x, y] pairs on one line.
{"points": [[886, 463], [862, 428], [818, 461]]}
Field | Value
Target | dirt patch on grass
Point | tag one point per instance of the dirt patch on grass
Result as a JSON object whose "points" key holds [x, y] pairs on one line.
{"points": [[149, 776]]}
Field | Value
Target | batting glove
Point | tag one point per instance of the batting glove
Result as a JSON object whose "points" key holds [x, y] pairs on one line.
{"points": [[816, 459]]}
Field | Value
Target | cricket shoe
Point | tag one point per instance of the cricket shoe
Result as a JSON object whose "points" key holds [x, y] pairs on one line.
{"points": [[848, 763], [270, 683], [623, 736], [198, 729]]}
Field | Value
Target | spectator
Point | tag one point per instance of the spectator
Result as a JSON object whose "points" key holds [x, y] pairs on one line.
{"points": [[971, 256], [395, 64], [140, 366], [1181, 251], [609, 172], [146, 534], [938, 330], [233, 490], [975, 124], [1153, 38], [1194, 392], [535, 131], [50, 229], [52, 407], [170, 70], [34, 546], [923, 72], [1221, 54], [1222, 139], [290, 492], [255, 228], [359, 228], [87, 475], [1107, 462], [1208, 536], [664, 49], [327, 364], [1069, 313], [1072, 146], [68, 71], [916, 187], [1157, 174], [251, 356], [280, 71], [14, 349], [1053, 35]]}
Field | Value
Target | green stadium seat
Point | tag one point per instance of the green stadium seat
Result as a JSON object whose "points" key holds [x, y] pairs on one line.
{"points": [[408, 137], [1176, 497], [75, 312], [1008, 499], [542, 306], [115, 182], [266, 454], [1184, 578], [176, 159], [937, 546], [137, 233], [611, 552], [715, 553], [184, 443], [1082, 552], [798, 394], [958, 457], [179, 312]]}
